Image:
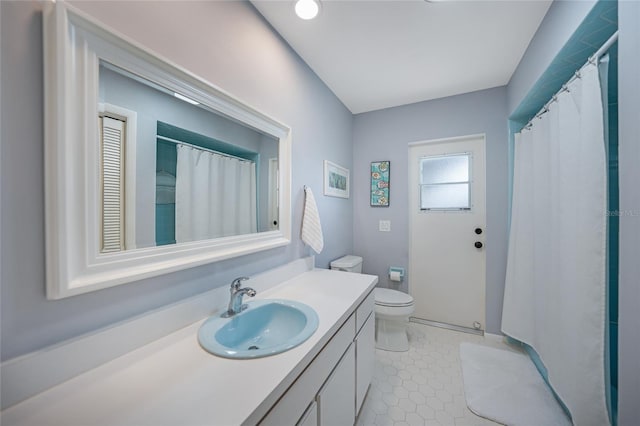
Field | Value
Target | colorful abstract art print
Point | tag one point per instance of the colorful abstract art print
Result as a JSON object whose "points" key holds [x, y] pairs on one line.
{"points": [[380, 183]]}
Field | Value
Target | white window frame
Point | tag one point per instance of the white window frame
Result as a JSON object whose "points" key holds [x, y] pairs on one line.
{"points": [[469, 182]]}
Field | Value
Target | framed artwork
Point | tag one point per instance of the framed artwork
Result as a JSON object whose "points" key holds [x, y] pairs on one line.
{"points": [[380, 183], [336, 180]]}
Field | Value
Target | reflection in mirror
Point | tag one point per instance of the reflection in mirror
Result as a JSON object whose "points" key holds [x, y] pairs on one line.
{"points": [[126, 133], [175, 171]]}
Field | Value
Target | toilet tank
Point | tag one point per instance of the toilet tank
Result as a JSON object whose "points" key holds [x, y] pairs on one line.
{"points": [[348, 263]]}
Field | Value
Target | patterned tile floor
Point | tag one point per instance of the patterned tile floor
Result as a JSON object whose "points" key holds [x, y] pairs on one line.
{"points": [[422, 386]]}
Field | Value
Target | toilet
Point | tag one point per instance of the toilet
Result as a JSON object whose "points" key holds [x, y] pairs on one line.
{"points": [[392, 309]]}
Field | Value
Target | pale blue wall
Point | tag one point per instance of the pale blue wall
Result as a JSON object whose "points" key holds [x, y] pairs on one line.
{"points": [[227, 43], [384, 135]]}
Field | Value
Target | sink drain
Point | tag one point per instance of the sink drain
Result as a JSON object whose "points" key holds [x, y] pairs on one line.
{"points": [[251, 348]]}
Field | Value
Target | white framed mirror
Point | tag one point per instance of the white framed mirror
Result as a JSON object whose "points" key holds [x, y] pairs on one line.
{"points": [[149, 169]]}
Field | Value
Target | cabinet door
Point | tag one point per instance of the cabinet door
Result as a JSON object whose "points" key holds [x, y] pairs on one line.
{"points": [[336, 398], [365, 359], [310, 417], [291, 405]]}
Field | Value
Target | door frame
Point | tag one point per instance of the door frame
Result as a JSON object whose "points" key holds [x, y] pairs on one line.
{"points": [[411, 226]]}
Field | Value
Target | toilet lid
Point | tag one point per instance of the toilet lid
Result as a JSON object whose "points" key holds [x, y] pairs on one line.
{"points": [[388, 297]]}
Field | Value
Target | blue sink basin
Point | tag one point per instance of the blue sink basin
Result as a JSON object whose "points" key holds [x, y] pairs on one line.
{"points": [[266, 327]]}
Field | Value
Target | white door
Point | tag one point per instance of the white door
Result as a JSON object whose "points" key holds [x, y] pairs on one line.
{"points": [[447, 230]]}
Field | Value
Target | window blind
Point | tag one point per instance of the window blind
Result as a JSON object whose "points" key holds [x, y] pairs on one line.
{"points": [[112, 142]]}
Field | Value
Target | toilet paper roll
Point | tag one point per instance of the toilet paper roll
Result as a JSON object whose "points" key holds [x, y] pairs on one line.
{"points": [[395, 276]]}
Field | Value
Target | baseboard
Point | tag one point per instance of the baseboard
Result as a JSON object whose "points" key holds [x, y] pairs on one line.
{"points": [[498, 338], [447, 326]]}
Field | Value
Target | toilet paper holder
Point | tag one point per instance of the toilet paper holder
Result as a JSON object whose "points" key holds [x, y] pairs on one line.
{"points": [[396, 273]]}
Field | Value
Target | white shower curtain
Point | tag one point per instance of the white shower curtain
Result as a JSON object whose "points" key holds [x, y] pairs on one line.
{"points": [[215, 195], [555, 285]]}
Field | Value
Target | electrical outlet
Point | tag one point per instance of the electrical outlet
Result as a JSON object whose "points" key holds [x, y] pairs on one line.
{"points": [[384, 226]]}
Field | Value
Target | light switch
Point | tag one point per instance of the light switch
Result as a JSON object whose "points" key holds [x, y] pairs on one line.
{"points": [[384, 226]]}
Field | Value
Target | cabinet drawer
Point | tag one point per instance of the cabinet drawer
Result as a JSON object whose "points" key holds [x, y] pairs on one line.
{"points": [[291, 406], [310, 417], [363, 311], [335, 399], [365, 359]]}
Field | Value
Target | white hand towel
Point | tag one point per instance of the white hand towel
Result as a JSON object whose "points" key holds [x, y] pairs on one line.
{"points": [[311, 227]]}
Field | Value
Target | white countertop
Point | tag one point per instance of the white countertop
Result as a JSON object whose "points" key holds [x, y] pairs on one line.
{"points": [[173, 381]]}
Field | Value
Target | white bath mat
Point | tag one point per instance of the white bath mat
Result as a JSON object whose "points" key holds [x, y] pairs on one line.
{"points": [[506, 387]]}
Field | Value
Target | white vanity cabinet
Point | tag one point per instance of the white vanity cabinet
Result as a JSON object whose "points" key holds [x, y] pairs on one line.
{"points": [[335, 399], [365, 346], [172, 380], [332, 388], [310, 417], [365, 355]]}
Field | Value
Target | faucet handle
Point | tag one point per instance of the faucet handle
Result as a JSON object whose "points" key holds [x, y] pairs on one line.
{"points": [[236, 283]]}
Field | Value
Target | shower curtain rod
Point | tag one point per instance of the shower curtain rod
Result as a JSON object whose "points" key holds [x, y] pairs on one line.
{"points": [[166, 139], [596, 56]]}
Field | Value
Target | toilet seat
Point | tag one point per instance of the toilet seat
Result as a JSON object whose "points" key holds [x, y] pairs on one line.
{"points": [[392, 298]]}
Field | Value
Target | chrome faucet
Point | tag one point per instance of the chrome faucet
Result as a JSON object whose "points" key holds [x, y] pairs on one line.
{"points": [[235, 302]]}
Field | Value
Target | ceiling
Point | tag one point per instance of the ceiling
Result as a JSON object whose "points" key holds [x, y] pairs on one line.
{"points": [[384, 53]]}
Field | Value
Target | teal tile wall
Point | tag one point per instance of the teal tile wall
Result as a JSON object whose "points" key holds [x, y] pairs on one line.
{"points": [[597, 27], [166, 161], [177, 133], [165, 224]]}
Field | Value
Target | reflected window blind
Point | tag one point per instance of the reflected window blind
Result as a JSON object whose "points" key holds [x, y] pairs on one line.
{"points": [[112, 161]]}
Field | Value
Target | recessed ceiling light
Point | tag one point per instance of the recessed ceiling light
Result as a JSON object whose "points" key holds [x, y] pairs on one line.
{"points": [[307, 9]]}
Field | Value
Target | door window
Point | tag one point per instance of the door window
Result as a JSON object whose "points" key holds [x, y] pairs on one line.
{"points": [[445, 182]]}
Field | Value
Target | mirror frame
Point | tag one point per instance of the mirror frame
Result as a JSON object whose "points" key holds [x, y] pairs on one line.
{"points": [[74, 44]]}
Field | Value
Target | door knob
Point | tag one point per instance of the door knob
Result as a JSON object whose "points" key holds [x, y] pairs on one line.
{"points": [[478, 244], [478, 231]]}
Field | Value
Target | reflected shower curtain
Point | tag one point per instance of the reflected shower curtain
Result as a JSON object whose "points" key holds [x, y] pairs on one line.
{"points": [[555, 294], [215, 195]]}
